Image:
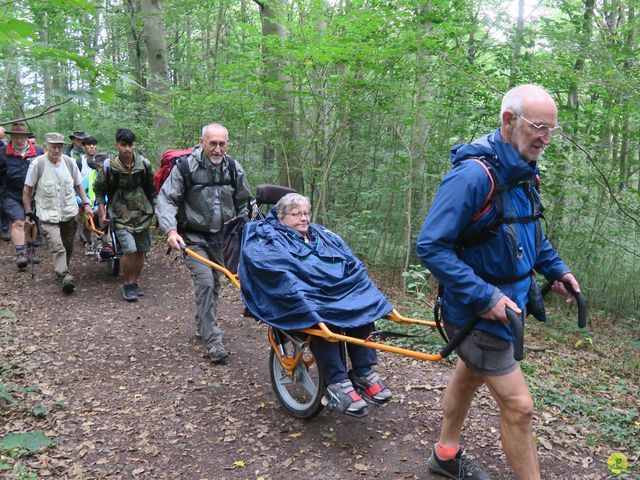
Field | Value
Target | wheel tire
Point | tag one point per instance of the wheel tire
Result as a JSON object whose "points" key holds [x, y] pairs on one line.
{"points": [[113, 266], [298, 399]]}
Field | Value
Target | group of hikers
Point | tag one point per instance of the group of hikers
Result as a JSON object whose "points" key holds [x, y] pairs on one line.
{"points": [[482, 240]]}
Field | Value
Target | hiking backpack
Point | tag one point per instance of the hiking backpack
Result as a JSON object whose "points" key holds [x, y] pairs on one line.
{"points": [[469, 238], [172, 157], [112, 177], [495, 198]]}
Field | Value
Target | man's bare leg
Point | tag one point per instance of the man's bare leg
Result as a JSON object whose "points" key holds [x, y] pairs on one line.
{"points": [[516, 411], [460, 391]]}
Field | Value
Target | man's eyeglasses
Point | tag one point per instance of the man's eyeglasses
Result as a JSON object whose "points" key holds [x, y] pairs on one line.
{"points": [[300, 214], [542, 129], [217, 144]]}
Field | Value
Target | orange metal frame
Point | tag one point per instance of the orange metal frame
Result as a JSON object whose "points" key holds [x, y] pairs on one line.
{"points": [[323, 331], [87, 219]]}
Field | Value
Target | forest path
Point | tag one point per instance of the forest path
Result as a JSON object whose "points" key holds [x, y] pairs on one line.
{"points": [[130, 393]]}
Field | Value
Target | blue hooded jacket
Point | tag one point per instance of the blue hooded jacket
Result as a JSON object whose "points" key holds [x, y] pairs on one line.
{"points": [[291, 284], [517, 249]]}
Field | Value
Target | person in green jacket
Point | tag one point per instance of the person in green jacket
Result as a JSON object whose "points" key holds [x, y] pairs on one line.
{"points": [[127, 182]]}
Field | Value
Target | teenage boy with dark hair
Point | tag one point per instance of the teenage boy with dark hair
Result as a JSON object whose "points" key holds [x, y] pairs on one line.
{"points": [[127, 182]]}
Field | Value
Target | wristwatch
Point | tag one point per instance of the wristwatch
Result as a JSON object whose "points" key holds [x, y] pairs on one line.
{"points": [[30, 215], [86, 204]]}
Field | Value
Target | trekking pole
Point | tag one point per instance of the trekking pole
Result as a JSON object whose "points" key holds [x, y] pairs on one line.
{"points": [[31, 250]]}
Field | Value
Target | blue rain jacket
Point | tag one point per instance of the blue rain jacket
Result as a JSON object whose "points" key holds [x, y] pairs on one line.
{"points": [[513, 252], [290, 284]]}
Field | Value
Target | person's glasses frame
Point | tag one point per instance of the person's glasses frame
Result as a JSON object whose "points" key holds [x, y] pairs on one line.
{"points": [[217, 144], [541, 128], [300, 214]]}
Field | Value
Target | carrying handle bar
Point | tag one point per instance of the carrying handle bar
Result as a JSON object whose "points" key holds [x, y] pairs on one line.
{"points": [[517, 321], [518, 331], [580, 301], [457, 338]]}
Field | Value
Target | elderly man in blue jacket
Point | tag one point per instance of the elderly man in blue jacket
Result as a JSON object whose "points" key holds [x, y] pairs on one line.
{"points": [[482, 240]]}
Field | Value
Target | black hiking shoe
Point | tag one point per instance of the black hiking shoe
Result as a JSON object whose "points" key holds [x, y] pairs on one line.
{"points": [[22, 260], [371, 387], [139, 290], [217, 354], [342, 396], [460, 467], [130, 292], [67, 284]]}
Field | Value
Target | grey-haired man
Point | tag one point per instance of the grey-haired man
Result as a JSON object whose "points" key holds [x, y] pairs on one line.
{"points": [[54, 175]]}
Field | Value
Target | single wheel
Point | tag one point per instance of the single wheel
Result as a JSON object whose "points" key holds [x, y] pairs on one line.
{"points": [[301, 392], [113, 266]]}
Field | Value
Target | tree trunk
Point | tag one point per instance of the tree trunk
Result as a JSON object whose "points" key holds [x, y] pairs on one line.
{"points": [[282, 101], [134, 51], [153, 19], [517, 46]]}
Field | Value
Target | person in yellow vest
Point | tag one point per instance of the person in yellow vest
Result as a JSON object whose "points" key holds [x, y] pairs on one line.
{"points": [[54, 177]]}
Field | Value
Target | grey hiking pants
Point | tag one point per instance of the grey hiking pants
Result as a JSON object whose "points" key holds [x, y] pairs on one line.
{"points": [[59, 240], [206, 285]]}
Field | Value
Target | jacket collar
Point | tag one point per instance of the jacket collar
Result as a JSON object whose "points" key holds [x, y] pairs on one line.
{"points": [[510, 166], [30, 151]]}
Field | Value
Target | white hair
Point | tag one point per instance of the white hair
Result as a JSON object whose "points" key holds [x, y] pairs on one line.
{"points": [[513, 100], [290, 201], [204, 129]]}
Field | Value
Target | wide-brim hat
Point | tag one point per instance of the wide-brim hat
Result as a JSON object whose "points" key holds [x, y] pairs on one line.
{"points": [[98, 160], [18, 128], [79, 135]]}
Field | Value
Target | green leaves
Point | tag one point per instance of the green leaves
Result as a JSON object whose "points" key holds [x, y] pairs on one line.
{"points": [[25, 441], [13, 29]]}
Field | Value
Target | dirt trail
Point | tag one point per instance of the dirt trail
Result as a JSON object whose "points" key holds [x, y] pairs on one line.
{"points": [[138, 399]]}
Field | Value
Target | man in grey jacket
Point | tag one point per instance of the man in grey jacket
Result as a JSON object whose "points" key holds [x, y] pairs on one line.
{"points": [[192, 210]]}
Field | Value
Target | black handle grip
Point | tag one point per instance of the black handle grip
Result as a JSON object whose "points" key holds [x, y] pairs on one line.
{"points": [[582, 305], [518, 332], [455, 341], [580, 301]]}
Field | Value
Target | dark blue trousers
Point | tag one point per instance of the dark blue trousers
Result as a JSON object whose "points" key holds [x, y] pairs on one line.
{"points": [[329, 361]]}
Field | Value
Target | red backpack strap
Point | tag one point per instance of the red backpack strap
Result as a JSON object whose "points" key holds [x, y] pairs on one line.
{"points": [[486, 204]]}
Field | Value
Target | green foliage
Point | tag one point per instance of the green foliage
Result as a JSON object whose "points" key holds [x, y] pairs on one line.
{"points": [[362, 100], [23, 442], [5, 393], [416, 280]]}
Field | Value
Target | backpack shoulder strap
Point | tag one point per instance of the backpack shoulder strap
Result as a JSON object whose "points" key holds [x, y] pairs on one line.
{"points": [[233, 170], [69, 162], [486, 204], [39, 167], [182, 164]]}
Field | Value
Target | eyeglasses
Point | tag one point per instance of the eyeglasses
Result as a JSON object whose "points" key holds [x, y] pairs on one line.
{"points": [[542, 129], [217, 144], [300, 214]]}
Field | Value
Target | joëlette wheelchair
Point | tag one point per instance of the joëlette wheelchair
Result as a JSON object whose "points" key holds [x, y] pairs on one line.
{"points": [[112, 262], [295, 378]]}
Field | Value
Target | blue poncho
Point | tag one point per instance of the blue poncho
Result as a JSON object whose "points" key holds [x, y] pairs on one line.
{"points": [[291, 284]]}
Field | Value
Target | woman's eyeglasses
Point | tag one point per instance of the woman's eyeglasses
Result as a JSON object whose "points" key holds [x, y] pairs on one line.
{"points": [[300, 214]]}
